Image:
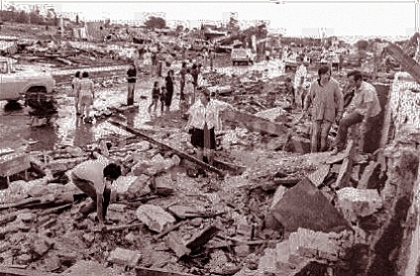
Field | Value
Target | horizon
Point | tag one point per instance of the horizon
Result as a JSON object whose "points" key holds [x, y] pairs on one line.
{"points": [[295, 19]]}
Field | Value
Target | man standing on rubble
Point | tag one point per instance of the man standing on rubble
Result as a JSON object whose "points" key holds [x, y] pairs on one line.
{"points": [[326, 100], [131, 79], [94, 178], [366, 106], [300, 78]]}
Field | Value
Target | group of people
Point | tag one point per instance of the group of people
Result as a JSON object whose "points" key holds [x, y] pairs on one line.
{"points": [[325, 99], [83, 93], [164, 93]]}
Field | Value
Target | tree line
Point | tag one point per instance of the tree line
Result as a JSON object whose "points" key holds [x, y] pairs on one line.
{"points": [[33, 17]]}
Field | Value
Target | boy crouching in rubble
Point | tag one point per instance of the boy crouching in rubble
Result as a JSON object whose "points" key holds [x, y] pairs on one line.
{"points": [[95, 177]]}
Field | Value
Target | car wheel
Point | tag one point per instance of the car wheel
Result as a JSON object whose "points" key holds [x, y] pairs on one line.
{"points": [[33, 95]]}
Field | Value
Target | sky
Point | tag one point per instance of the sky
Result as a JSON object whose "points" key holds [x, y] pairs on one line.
{"points": [[296, 18]]}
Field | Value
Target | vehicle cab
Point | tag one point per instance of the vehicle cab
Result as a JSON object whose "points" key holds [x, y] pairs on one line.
{"points": [[16, 83]]}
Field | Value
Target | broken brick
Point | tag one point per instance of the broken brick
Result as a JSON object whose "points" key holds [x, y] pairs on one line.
{"points": [[88, 238], [176, 245], [155, 217], [355, 203], [124, 257], [26, 217]]}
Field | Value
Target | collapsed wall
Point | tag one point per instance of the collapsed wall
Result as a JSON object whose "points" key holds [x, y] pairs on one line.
{"points": [[394, 249]]}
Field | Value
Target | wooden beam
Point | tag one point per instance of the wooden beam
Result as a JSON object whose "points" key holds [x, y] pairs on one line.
{"points": [[255, 123], [407, 63], [10, 271], [164, 146], [143, 271]]}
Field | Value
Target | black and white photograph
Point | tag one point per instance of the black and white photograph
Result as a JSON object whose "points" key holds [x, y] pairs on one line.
{"points": [[194, 137]]}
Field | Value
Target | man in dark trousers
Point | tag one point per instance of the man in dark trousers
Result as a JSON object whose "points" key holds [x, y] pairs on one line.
{"points": [[131, 79]]}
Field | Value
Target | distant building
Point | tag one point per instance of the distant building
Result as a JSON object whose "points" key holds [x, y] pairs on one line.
{"points": [[95, 31]]}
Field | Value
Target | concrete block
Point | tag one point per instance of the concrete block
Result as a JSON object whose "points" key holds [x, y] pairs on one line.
{"points": [[183, 211], [26, 217], [355, 203], [164, 184], [123, 183], [305, 206], [139, 187], [176, 244], [155, 217], [176, 160], [140, 167], [88, 238], [124, 257]]}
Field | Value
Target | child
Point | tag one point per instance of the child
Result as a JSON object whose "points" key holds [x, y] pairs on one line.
{"points": [[163, 95], [155, 96]]}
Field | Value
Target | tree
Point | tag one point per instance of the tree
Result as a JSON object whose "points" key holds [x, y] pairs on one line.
{"points": [[155, 23], [22, 17], [77, 19]]}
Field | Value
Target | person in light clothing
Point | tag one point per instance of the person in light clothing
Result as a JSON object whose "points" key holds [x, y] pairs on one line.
{"points": [[202, 123], [86, 95], [365, 106], [326, 100], [75, 85], [300, 78]]}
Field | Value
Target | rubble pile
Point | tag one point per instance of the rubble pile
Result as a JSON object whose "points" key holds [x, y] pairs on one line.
{"points": [[267, 207]]}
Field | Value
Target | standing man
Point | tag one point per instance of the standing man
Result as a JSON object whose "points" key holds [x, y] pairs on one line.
{"points": [[300, 78], [366, 106], [182, 74], [131, 79], [95, 177], [326, 100]]}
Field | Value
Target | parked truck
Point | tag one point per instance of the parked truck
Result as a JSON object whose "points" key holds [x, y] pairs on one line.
{"points": [[25, 85]]}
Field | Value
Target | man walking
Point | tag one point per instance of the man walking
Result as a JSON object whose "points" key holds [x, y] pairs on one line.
{"points": [[366, 106], [131, 79]]}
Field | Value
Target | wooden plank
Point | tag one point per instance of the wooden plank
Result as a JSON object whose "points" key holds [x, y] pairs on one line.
{"points": [[255, 123], [11, 164], [143, 271], [21, 203], [164, 146], [10, 271], [407, 63], [235, 169]]}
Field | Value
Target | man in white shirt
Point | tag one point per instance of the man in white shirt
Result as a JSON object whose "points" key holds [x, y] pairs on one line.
{"points": [[95, 177], [366, 106], [300, 78]]}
